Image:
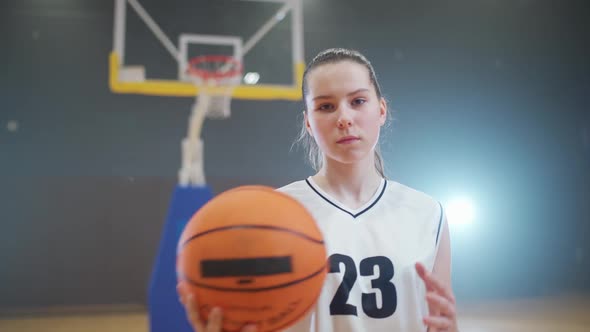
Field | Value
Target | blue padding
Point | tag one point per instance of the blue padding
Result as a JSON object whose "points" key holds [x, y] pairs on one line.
{"points": [[166, 314]]}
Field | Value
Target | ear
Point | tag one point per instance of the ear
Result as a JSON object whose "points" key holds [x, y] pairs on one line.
{"points": [[306, 123], [382, 111]]}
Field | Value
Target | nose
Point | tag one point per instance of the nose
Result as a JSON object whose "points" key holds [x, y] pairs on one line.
{"points": [[344, 118]]}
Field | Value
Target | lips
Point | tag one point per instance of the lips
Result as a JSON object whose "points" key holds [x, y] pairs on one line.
{"points": [[347, 139]]}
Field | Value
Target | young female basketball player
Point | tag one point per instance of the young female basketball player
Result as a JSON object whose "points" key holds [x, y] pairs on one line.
{"points": [[388, 245]]}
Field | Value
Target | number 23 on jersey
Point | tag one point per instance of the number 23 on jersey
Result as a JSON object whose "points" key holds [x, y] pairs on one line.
{"points": [[343, 305]]}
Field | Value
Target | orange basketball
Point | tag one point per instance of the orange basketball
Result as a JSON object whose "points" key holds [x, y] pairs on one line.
{"points": [[257, 254]]}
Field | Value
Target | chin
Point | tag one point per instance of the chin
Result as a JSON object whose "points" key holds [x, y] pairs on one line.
{"points": [[349, 158]]}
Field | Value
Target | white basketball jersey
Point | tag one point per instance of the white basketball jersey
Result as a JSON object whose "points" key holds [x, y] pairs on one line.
{"points": [[372, 284]]}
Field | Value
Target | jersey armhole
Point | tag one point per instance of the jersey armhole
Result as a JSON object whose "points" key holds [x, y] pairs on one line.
{"points": [[439, 227]]}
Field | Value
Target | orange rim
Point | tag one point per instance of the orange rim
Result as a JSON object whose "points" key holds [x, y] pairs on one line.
{"points": [[207, 74]]}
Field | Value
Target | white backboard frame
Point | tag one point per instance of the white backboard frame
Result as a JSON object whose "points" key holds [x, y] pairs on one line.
{"points": [[180, 86]]}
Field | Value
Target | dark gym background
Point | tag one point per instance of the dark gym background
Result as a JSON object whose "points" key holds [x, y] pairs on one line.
{"points": [[490, 98]]}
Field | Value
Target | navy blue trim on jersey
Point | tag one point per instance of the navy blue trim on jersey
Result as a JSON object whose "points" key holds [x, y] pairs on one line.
{"points": [[439, 222], [344, 210]]}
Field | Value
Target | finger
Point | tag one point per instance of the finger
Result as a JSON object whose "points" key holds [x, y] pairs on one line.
{"points": [[432, 310], [193, 313], [437, 323], [440, 304], [181, 296], [422, 274], [433, 284], [215, 320]]}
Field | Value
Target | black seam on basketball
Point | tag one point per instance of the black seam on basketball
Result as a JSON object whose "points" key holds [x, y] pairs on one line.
{"points": [[251, 290], [266, 227], [344, 210]]}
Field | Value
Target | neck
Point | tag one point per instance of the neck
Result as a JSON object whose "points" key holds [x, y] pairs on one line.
{"points": [[352, 183]]}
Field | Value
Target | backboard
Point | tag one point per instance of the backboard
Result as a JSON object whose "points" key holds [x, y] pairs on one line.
{"points": [[133, 78]]}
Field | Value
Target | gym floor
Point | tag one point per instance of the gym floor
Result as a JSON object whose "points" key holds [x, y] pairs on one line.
{"points": [[563, 314]]}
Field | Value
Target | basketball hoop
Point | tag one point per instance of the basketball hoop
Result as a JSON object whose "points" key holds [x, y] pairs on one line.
{"points": [[216, 76]]}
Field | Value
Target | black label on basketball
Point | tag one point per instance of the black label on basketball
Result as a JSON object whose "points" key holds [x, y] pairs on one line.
{"points": [[243, 267]]}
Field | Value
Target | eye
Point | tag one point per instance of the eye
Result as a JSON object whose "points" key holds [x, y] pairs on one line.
{"points": [[359, 101], [325, 107]]}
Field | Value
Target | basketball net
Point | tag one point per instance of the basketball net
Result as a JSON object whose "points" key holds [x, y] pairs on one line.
{"points": [[216, 77]]}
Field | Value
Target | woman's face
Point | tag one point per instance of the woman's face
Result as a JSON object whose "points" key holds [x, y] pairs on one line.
{"points": [[344, 114]]}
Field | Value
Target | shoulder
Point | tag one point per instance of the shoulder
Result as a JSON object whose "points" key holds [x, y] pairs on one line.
{"points": [[293, 186], [402, 195], [425, 212], [295, 189]]}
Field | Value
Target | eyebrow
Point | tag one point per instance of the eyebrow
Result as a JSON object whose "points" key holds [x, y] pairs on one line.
{"points": [[350, 94]]}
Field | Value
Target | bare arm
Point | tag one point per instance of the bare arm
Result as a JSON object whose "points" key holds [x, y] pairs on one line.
{"points": [[442, 263]]}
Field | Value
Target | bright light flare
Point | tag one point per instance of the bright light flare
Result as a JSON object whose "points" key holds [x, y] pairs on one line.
{"points": [[460, 211], [251, 78]]}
